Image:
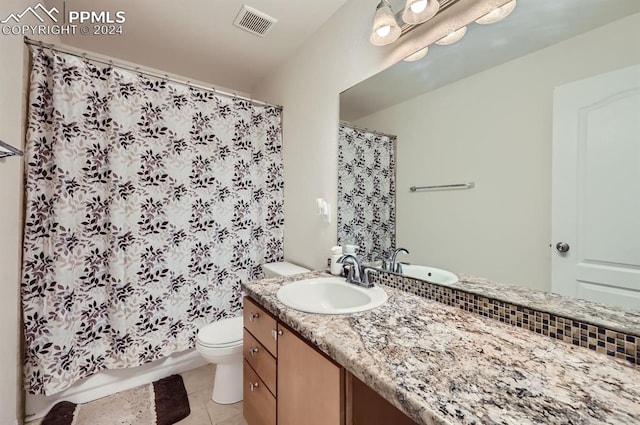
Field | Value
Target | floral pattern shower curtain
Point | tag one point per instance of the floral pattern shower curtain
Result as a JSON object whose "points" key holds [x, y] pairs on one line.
{"points": [[147, 203], [366, 191]]}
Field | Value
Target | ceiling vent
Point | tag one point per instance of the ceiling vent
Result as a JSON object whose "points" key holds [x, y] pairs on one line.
{"points": [[254, 21]]}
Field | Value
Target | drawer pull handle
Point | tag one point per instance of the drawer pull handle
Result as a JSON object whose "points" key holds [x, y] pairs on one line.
{"points": [[253, 351], [253, 386], [253, 317], [275, 333]]}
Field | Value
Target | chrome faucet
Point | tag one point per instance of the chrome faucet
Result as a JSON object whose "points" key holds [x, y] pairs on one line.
{"points": [[358, 274], [393, 265]]}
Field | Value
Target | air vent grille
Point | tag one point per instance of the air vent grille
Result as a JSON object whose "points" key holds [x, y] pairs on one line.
{"points": [[254, 21]]}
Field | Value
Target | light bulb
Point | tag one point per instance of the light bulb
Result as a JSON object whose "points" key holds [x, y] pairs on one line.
{"points": [[418, 11], [385, 27], [453, 37], [418, 6], [417, 55], [383, 31], [497, 14]]}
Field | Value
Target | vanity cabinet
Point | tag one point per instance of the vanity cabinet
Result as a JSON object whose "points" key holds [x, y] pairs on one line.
{"points": [[286, 380], [366, 407], [310, 384]]}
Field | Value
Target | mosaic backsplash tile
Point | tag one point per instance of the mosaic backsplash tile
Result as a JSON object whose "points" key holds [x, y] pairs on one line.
{"points": [[622, 345]]}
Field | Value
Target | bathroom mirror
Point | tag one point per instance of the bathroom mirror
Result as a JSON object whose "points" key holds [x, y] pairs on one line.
{"points": [[482, 111]]}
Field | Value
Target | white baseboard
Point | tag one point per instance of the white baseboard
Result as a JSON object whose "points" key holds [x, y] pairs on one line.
{"points": [[109, 382]]}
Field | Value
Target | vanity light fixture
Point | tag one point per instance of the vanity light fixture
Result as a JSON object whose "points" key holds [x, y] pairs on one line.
{"points": [[497, 14], [452, 37], [388, 27], [418, 11], [417, 55], [385, 27]]}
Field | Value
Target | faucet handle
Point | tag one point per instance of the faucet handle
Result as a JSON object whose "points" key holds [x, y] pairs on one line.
{"points": [[366, 282], [399, 266], [351, 273], [385, 263], [353, 266]]}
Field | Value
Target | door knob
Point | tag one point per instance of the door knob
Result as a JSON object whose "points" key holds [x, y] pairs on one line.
{"points": [[562, 247]]}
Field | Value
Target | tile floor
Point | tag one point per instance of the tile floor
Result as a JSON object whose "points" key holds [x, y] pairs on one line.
{"points": [[199, 384]]}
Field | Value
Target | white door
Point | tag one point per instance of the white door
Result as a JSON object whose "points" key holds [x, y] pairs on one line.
{"points": [[596, 189]]}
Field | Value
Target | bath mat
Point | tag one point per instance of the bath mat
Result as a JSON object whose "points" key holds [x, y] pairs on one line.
{"points": [[162, 402]]}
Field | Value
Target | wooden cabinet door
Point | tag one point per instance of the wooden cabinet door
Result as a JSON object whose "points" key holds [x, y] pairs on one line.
{"points": [[310, 386]]}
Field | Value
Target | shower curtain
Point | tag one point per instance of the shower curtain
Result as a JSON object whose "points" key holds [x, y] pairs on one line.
{"points": [[366, 191], [147, 204]]}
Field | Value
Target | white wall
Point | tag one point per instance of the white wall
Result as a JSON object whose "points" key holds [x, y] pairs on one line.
{"points": [[338, 56], [11, 107], [308, 87], [494, 128], [13, 74]]}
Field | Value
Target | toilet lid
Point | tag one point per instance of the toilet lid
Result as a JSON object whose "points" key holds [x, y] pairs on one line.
{"points": [[221, 333]]}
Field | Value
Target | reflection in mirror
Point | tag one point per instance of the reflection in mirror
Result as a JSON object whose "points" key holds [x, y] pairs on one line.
{"points": [[366, 191], [482, 110]]}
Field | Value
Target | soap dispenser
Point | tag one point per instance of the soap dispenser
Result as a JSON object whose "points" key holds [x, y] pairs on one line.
{"points": [[336, 266]]}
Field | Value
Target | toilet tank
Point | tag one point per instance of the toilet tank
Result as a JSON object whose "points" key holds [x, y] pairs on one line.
{"points": [[281, 269]]}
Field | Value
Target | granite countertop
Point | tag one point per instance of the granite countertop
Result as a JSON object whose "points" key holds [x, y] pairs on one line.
{"points": [[441, 365]]}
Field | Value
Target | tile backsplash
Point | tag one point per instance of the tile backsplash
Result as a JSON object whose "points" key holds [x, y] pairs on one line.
{"points": [[598, 338]]}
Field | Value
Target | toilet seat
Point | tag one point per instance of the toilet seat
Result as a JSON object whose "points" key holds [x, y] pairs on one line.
{"points": [[226, 333]]}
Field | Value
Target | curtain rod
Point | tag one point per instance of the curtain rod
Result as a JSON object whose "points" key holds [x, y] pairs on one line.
{"points": [[139, 70], [379, 133], [8, 150]]}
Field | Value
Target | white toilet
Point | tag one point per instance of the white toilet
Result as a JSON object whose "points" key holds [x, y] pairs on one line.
{"points": [[221, 343]]}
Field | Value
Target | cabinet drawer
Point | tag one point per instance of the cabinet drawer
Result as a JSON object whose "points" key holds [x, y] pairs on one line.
{"points": [[261, 324], [259, 406], [263, 363]]}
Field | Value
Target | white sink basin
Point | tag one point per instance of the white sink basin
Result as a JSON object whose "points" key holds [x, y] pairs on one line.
{"points": [[330, 295], [430, 274]]}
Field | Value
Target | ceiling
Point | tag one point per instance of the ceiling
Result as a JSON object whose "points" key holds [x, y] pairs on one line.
{"points": [[533, 25], [197, 38]]}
